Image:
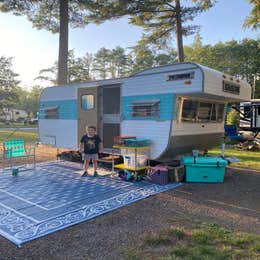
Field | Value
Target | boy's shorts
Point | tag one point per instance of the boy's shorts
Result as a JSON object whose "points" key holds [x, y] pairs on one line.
{"points": [[87, 156]]}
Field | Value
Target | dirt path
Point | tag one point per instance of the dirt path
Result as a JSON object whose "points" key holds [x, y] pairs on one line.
{"points": [[233, 204]]}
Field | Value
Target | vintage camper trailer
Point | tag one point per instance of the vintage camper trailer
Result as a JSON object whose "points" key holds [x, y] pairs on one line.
{"points": [[178, 107]]}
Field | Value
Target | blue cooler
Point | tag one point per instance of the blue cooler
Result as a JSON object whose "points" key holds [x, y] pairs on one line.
{"points": [[204, 169]]}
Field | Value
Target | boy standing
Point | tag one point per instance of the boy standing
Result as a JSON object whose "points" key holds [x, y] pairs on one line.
{"points": [[90, 145]]}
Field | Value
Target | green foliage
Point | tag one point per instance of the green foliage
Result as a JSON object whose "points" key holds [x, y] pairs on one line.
{"points": [[205, 241], [160, 19], [45, 14], [233, 118], [247, 159], [177, 232], [253, 20], [8, 84], [241, 59], [108, 63], [79, 69], [29, 100], [157, 240]]}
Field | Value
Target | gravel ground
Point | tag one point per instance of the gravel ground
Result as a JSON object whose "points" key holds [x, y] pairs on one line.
{"points": [[233, 204]]}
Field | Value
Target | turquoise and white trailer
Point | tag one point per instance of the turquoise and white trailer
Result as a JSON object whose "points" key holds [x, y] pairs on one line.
{"points": [[178, 107]]}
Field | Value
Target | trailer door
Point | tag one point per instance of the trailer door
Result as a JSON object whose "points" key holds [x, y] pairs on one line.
{"points": [[88, 109], [110, 114]]}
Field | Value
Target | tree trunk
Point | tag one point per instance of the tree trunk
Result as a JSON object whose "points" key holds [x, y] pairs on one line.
{"points": [[179, 32], [63, 43]]}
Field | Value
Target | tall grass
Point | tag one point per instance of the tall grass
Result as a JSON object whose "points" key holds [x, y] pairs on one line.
{"points": [[247, 159], [28, 137]]}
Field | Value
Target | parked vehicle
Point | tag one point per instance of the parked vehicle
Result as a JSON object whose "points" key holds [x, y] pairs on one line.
{"points": [[250, 115], [13, 115], [178, 107]]}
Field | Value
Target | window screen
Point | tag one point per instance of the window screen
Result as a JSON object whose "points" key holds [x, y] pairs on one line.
{"points": [[146, 108], [51, 112], [231, 88], [87, 102], [189, 110], [181, 76], [195, 111]]}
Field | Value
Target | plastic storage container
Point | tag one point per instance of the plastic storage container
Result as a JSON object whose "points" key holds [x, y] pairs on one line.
{"points": [[204, 169], [158, 175], [129, 160], [120, 140], [137, 142]]}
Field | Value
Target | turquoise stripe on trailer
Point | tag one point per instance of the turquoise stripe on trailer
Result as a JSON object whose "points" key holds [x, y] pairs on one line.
{"points": [[67, 109]]}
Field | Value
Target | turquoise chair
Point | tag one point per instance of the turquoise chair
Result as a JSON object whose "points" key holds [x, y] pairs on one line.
{"points": [[16, 149]]}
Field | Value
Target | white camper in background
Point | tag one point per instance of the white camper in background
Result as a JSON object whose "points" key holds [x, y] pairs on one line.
{"points": [[15, 115], [250, 115], [178, 107]]}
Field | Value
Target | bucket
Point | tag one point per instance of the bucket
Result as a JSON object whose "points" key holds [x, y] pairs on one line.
{"points": [[15, 171]]}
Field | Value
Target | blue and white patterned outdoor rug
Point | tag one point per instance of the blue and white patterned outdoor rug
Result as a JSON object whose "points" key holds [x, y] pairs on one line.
{"points": [[54, 196]]}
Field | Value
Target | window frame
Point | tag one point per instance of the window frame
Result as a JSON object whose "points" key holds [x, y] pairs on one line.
{"points": [[81, 101], [194, 112], [154, 105], [231, 87], [181, 76], [51, 115]]}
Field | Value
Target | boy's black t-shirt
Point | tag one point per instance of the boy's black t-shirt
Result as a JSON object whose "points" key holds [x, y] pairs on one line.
{"points": [[91, 144]]}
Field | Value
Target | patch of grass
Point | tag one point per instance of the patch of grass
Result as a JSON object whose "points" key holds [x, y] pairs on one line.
{"points": [[177, 232], [157, 240], [17, 125], [28, 137], [209, 233], [248, 159], [131, 255], [200, 252], [206, 241]]}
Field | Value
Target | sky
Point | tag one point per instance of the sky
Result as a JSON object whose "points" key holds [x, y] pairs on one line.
{"points": [[33, 50]]}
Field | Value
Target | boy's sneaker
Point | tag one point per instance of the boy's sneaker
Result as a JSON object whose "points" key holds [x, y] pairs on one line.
{"points": [[85, 174], [95, 174]]}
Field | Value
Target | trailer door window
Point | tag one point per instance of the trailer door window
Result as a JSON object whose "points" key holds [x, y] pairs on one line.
{"points": [[149, 108], [87, 102]]}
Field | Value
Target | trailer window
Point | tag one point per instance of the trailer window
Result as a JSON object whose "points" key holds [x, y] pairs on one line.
{"points": [[189, 110], [181, 76], [146, 109], [194, 111], [231, 88], [204, 112], [87, 102], [51, 112], [247, 112], [220, 113]]}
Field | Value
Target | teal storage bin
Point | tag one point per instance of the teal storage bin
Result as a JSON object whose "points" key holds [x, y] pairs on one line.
{"points": [[137, 142], [204, 169]]}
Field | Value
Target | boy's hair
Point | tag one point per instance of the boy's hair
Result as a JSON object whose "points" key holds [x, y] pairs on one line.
{"points": [[92, 126]]}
